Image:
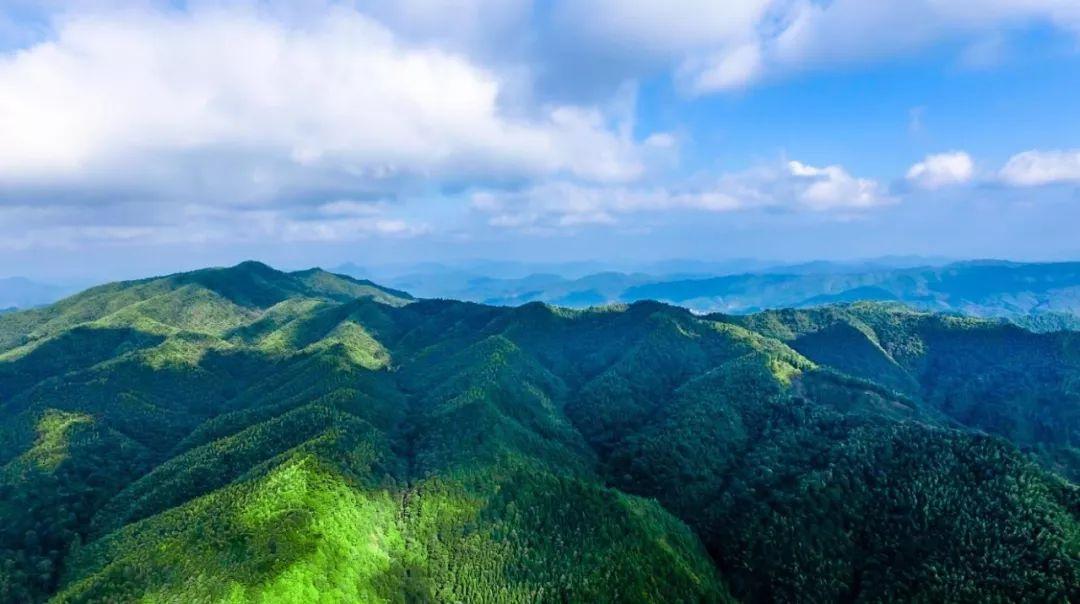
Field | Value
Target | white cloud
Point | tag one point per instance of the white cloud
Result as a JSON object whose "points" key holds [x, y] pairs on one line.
{"points": [[349, 207], [719, 46], [792, 185], [709, 45], [565, 204], [23, 227], [724, 70], [238, 105], [855, 30], [352, 229], [942, 169], [664, 28], [1034, 168], [832, 187]]}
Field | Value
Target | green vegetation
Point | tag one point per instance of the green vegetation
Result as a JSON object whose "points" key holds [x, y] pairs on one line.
{"points": [[993, 377], [245, 434]]}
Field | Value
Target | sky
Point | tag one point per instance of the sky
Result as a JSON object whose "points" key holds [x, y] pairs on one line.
{"points": [[148, 137]]}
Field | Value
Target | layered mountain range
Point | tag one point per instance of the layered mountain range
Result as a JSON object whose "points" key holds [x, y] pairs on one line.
{"points": [[246, 434], [1037, 295]]}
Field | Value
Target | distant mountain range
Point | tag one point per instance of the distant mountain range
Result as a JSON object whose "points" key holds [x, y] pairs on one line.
{"points": [[20, 292], [1041, 295]]}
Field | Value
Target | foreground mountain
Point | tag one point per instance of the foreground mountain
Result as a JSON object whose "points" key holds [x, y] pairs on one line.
{"points": [[251, 435]]}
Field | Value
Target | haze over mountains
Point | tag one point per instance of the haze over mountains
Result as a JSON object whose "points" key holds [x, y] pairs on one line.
{"points": [[20, 292], [247, 434]]}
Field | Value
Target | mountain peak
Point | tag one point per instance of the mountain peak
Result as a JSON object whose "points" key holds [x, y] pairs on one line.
{"points": [[255, 266], [210, 300]]}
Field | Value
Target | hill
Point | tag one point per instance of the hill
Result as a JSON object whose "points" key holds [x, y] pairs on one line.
{"points": [[247, 434], [205, 301]]}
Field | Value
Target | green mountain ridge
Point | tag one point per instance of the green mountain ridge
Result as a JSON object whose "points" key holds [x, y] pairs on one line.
{"points": [[245, 434]]}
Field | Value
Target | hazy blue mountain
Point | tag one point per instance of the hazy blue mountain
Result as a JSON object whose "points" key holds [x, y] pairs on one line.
{"points": [[1039, 295], [20, 292], [981, 288], [580, 284]]}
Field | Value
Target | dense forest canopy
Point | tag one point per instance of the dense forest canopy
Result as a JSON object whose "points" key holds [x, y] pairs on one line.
{"points": [[246, 434]]}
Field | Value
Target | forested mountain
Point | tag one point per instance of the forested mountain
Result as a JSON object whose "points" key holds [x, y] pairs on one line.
{"points": [[245, 434]]}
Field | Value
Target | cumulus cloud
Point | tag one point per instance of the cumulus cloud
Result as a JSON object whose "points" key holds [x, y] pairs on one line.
{"points": [[941, 170], [1035, 168], [233, 98], [793, 186], [832, 187]]}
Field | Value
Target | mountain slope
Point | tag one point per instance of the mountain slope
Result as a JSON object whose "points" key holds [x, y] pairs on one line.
{"points": [[251, 435], [209, 300], [985, 375]]}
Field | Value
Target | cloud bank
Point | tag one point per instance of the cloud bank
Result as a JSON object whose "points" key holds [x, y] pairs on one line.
{"points": [[788, 186]]}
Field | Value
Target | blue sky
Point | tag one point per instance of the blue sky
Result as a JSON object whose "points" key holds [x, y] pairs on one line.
{"points": [[148, 137]]}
